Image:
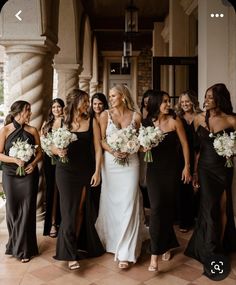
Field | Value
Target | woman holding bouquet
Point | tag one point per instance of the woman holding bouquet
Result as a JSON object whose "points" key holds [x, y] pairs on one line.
{"points": [[214, 232], [52, 216], [75, 179], [20, 191], [98, 105], [163, 175], [120, 202]]}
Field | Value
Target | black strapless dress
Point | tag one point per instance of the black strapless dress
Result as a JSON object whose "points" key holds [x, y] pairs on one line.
{"points": [[71, 178], [21, 197], [50, 179], [214, 179], [162, 181]]}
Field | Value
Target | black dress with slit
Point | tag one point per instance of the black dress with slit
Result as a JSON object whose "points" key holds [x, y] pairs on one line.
{"points": [[162, 185], [71, 179], [214, 179], [21, 197]]}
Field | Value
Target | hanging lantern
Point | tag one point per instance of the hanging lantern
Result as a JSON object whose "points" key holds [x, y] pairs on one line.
{"points": [[131, 19], [127, 48]]}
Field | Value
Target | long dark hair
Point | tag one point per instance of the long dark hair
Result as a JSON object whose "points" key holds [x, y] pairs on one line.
{"points": [[50, 117], [145, 95], [222, 100], [72, 101], [16, 108], [154, 103], [102, 98]]}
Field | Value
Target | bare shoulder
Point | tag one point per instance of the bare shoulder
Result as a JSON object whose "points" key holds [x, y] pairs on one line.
{"points": [[137, 116], [31, 130], [4, 130], [232, 120], [104, 115]]}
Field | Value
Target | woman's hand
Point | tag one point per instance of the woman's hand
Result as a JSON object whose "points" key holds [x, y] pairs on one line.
{"points": [[144, 149], [30, 168], [95, 180], [61, 152], [186, 176], [120, 155], [195, 182], [19, 162]]}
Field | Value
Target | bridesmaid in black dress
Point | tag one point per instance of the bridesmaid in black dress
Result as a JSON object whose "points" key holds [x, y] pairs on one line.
{"points": [[20, 191], [52, 214], [98, 105], [215, 231], [74, 180], [186, 109], [162, 176]]}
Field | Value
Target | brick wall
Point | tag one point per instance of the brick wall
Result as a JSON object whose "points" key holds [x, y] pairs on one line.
{"points": [[144, 72]]}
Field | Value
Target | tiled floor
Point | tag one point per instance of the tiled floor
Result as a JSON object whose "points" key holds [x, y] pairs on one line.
{"points": [[43, 269]]}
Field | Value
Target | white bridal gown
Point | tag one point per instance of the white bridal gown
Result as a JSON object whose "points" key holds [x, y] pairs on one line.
{"points": [[120, 223]]}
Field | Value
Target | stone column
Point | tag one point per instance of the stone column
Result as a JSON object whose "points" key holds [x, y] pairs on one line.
{"points": [[84, 83], [67, 78], [93, 88], [29, 77]]}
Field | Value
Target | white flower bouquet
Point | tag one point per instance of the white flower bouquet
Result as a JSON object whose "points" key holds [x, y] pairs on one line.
{"points": [[150, 137], [22, 150], [61, 138], [225, 145], [124, 140], [46, 143]]}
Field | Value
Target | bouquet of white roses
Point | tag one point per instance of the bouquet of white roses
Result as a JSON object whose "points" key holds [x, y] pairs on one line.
{"points": [[150, 137], [61, 138], [46, 143], [124, 140], [22, 150], [225, 145]]}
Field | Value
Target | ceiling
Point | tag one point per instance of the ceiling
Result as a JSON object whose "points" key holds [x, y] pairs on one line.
{"points": [[107, 19]]}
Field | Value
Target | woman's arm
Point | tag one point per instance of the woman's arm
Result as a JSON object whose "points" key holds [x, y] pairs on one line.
{"points": [[30, 167], [4, 157], [95, 180], [186, 177], [103, 126]]}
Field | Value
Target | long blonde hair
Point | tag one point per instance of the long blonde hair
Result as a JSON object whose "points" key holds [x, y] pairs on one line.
{"points": [[125, 92]]}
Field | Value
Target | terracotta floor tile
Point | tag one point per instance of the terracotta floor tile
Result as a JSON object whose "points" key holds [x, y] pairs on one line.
{"points": [[117, 279], [166, 279], [94, 272], [186, 272], [70, 278], [48, 273]]}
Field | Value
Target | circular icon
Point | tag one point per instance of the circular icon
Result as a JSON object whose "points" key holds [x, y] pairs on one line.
{"points": [[217, 267]]}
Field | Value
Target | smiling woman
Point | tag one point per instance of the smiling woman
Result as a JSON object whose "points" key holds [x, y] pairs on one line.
{"points": [[20, 191]]}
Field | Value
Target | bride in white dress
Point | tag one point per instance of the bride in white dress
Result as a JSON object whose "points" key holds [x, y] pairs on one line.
{"points": [[120, 222]]}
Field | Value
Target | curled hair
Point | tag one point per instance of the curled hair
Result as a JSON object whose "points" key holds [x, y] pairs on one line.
{"points": [[222, 100], [16, 108], [154, 103], [193, 99], [50, 117], [102, 98], [124, 91], [145, 95], [73, 100]]}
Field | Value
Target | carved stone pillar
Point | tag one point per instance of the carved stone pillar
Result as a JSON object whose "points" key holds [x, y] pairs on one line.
{"points": [[29, 77], [93, 88], [67, 78], [84, 83]]}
